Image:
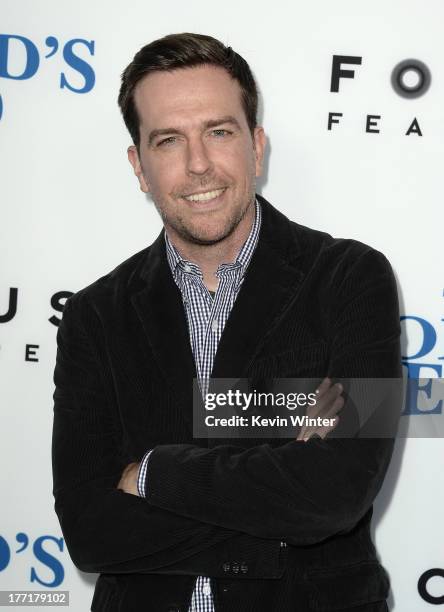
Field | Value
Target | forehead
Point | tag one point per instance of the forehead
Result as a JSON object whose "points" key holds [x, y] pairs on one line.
{"points": [[187, 95]]}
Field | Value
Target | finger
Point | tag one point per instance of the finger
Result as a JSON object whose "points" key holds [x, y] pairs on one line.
{"points": [[323, 431], [323, 387], [312, 410], [332, 412], [327, 395], [336, 407], [326, 401], [324, 404]]}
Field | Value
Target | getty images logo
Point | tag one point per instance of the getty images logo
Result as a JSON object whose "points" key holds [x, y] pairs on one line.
{"points": [[20, 60]]}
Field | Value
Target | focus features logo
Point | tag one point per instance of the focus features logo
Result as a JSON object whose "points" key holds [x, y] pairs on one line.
{"points": [[410, 79]]}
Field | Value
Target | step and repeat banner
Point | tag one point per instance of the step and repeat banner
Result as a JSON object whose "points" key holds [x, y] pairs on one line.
{"points": [[352, 104]]}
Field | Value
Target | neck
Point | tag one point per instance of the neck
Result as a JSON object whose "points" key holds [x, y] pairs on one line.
{"points": [[209, 257]]}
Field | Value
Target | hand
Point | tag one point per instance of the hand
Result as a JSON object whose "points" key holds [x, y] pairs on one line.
{"points": [[128, 480], [329, 402]]}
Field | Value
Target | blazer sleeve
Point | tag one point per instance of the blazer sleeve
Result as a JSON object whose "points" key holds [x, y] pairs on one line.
{"points": [[301, 492], [106, 529]]}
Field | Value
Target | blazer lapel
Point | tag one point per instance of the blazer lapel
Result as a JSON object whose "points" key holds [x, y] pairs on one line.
{"points": [[272, 279], [160, 309]]}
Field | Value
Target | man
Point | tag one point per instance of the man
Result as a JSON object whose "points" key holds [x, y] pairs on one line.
{"points": [[230, 288]]}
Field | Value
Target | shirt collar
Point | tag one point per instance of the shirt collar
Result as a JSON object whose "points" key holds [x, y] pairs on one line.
{"points": [[177, 262]]}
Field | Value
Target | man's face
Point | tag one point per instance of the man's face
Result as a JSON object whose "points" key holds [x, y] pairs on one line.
{"points": [[198, 158]]}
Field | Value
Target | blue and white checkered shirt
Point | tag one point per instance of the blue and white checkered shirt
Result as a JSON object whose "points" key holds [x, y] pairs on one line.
{"points": [[206, 317]]}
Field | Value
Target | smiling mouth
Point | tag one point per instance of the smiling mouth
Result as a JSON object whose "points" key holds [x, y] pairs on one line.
{"points": [[206, 196]]}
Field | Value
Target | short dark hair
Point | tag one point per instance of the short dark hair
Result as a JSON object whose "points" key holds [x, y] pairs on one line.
{"points": [[184, 51]]}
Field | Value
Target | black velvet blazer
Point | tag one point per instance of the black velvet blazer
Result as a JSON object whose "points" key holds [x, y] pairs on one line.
{"points": [[311, 305]]}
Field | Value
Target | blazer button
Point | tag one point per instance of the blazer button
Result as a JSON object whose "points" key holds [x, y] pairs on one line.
{"points": [[235, 567], [226, 567], [244, 568]]}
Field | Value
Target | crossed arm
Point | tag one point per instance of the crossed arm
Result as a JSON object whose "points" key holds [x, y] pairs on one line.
{"points": [[329, 403], [198, 498]]}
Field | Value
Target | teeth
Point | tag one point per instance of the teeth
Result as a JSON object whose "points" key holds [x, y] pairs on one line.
{"points": [[204, 197]]}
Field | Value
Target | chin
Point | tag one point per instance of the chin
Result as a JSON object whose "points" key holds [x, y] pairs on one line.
{"points": [[206, 239], [208, 235]]}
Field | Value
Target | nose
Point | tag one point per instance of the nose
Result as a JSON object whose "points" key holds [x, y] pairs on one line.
{"points": [[198, 159]]}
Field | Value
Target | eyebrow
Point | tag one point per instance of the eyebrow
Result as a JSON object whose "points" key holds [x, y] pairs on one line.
{"points": [[208, 124]]}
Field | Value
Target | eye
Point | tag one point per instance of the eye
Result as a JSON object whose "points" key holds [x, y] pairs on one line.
{"points": [[221, 132], [166, 141]]}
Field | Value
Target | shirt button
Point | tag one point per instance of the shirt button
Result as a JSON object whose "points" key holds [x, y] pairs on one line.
{"points": [[206, 590], [214, 325], [187, 268]]}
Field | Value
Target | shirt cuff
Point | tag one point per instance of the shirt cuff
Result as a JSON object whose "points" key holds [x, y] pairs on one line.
{"points": [[141, 477]]}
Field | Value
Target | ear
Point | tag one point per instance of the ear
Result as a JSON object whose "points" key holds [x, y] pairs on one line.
{"points": [[259, 142], [134, 160]]}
